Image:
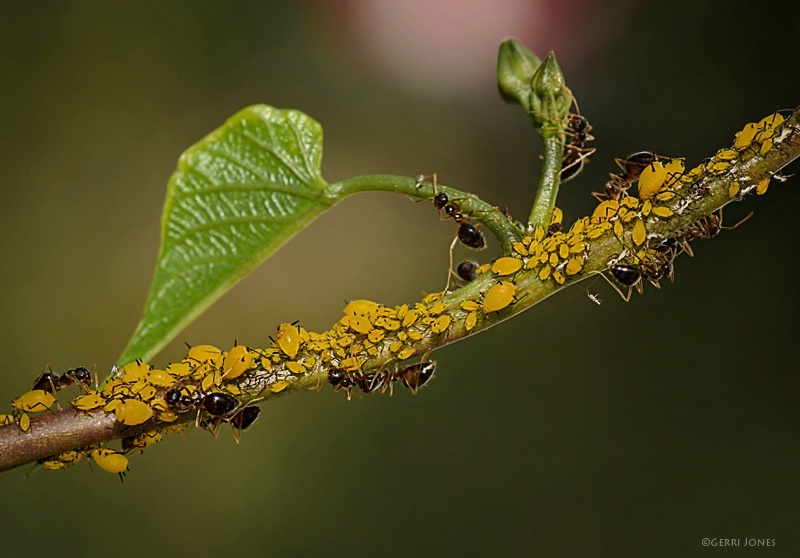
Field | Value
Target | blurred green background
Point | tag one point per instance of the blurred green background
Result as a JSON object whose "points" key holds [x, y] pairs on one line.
{"points": [[574, 430]]}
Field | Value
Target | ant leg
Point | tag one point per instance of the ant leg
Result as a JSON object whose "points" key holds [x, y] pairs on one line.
{"points": [[737, 224], [450, 265], [619, 292]]}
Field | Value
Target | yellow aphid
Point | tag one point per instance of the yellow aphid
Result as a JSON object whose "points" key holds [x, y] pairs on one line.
{"points": [[579, 226], [471, 320], [112, 405], [544, 273], [578, 248], [557, 218], [726, 155], [360, 307], [408, 352], [233, 389], [598, 231], [662, 212], [431, 298], [34, 400], [483, 269], [5, 420], [733, 189], [627, 215], [745, 137], [388, 323], [558, 276], [360, 324], [506, 265], [288, 338], [470, 305], [437, 309], [520, 248], [652, 179], [499, 296], [553, 260], [647, 207], [179, 369], [718, 167], [110, 461], [133, 372], [574, 265], [762, 186], [376, 335], [167, 416], [147, 393], [563, 251], [441, 324], [295, 367], [144, 440], [410, 318], [136, 388], [415, 334], [133, 412], [25, 423], [205, 353], [771, 122], [208, 381], [304, 336], [675, 168], [63, 460], [605, 211], [279, 386], [159, 405], [665, 196], [236, 362], [352, 363], [160, 378], [538, 234], [765, 147], [639, 233], [618, 229]]}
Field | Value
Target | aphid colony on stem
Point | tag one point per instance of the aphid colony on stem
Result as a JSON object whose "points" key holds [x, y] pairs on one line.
{"points": [[650, 257], [211, 387]]}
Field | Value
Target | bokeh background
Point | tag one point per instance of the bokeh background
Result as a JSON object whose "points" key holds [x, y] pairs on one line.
{"points": [[573, 430]]}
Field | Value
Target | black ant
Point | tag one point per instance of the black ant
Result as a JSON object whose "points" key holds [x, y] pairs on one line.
{"points": [[576, 152], [339, 379], [243, 419], [415, 376], [467, 270], [632, 168], [706, 227], [51, 382], [467, 234]]}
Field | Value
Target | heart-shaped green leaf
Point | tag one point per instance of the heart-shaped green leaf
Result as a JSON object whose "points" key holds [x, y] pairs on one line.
{"points": [[237, 196]]}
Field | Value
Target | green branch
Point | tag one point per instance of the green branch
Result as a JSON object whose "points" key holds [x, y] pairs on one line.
{"points": [[498, 223]]}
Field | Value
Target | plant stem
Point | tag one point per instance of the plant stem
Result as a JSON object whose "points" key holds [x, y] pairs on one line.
{"points": [[546, 195], [498, 223]]}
